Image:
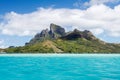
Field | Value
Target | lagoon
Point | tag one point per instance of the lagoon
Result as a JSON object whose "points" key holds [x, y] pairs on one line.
{"points": [[59, 66]]}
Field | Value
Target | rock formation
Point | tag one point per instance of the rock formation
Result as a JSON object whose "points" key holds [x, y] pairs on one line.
{"points": [[55, 32]]}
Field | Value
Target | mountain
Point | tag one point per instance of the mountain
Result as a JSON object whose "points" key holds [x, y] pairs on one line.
{"points": [[55, 32], [57, 40], [79, 34]]}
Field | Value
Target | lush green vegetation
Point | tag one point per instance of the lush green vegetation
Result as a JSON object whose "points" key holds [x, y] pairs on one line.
{"points": [[82, 45], [36, 48], [58, 41], [79, 45]]}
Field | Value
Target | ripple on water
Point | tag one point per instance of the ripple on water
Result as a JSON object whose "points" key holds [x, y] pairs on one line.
{"points": [[60, 68]]}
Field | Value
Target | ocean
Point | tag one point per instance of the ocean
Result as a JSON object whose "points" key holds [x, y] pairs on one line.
{"points": [[59, 67]]}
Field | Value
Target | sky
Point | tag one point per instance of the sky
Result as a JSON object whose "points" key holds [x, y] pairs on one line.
{"points": [[20, 20]]}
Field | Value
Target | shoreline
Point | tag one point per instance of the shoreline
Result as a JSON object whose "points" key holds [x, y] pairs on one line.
{"points": [[58, 55]]}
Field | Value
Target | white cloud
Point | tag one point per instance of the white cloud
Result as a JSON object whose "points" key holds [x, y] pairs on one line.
{"points": [[1, 41], [97, 2], [2, 44], [97, 18], [79, 3], [97, 31]]}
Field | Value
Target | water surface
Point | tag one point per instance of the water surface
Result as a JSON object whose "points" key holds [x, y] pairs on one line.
{"points": [[60, 67]]}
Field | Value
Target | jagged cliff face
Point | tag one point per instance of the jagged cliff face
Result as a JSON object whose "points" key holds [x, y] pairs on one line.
{"points": [[55, 32], [79, 34]]}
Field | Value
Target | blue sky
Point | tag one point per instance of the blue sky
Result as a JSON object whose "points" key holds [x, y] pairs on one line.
{"points": [[20, 20], [25, 6]]}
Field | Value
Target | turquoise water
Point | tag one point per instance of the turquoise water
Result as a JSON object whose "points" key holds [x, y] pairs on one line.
{"points": [[60, 67]]}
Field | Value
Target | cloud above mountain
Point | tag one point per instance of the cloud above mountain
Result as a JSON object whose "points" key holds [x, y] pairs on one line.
{"points": [[100, 19], [79, 3], [97, 2], [2, 45]]}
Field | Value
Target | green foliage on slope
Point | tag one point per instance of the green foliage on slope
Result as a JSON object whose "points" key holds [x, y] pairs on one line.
{"points": [[56, 40], [79, 45], [82, 45], [36, 48]]}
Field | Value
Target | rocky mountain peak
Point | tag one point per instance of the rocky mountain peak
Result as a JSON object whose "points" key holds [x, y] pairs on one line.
{"points": [[76, 30], [55, 32], [75, 34], [87, 32], [88, 35], [44, 33]]}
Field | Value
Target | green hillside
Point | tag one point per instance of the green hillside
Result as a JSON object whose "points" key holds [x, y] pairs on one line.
{"points": [[58, 41]]}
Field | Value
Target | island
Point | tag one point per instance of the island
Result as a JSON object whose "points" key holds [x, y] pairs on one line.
{"points": [[57, 40]]}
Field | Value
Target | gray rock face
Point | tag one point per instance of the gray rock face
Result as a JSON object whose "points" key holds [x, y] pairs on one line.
{"points": [[75, 34], [88, 35], [44, 33], [55, 32]]}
